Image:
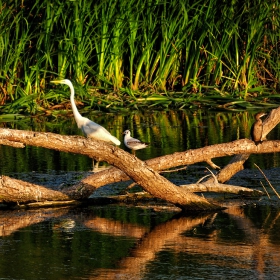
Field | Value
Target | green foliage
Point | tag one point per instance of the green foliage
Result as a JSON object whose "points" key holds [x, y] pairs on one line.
{"points": [[138, 50]]}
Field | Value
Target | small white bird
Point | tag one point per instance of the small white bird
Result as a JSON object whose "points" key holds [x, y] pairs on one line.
{"points": [[132, 143], [88, 127]]}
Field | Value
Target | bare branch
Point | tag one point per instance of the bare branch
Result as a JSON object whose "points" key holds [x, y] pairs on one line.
{"points": [[221, 188], [238, 147], [236, 164], [11, 143], [271, 121], [137, 170], [268, 181]]}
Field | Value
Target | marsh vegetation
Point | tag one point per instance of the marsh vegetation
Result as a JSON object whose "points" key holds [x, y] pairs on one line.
{"points": [[123, 55]]}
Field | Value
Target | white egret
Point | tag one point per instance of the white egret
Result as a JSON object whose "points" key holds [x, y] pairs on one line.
{"points": [[257, 128], [88, 127], [132, 143]]}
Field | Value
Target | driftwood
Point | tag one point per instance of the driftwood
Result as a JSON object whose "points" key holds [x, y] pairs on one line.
{"points": [[12, 190], [127, 166], [221, 188], [189, 157]]}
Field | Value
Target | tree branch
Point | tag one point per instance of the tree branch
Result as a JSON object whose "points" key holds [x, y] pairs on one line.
{"points": [[137, 170], [239, 147], [236, 163], [128, 166]]}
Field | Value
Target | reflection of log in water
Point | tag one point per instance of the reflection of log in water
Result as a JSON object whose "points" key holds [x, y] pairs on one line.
{"points": [[11, 221], [252, 252], [213, 250], [115, 228], [257, 237], [150, 245]]}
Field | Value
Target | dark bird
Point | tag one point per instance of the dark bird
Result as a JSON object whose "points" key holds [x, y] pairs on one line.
{"points": [[257, 128]]}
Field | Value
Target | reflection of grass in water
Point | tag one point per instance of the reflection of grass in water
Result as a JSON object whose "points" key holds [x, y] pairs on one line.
{"points": [[167, 132]]}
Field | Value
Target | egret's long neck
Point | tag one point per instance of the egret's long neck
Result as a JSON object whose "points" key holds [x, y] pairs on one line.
{"points": [[76, 113]]}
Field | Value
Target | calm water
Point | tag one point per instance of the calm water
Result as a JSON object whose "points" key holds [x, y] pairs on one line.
{"points": [[168, 132], [140, 242], [121, 242]]}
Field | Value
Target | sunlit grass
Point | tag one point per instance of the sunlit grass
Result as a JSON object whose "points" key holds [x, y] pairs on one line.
{"points": [[132, 54]]}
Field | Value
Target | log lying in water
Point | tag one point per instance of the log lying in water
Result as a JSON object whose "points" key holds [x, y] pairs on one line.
{"points": [[137, 170], [126, 167]]}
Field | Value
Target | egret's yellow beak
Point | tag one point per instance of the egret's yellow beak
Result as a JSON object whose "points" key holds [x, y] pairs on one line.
{"points": [[56, 82]]}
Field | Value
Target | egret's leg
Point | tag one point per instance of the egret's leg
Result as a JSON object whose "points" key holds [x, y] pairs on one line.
{"points": [[95, 165]]}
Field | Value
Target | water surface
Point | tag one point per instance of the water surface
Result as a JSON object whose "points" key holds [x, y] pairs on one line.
{"points": [[141, 241], [167, 132], [128, 242]]}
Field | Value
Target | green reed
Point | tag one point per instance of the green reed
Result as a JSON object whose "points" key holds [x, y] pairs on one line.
{"points": [[137, 53]]}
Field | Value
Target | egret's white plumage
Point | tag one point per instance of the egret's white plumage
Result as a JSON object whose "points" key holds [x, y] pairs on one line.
{"points": [[89, 128], [132, 143]]}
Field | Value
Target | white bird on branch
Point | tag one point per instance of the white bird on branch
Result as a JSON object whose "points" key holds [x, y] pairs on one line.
{"points": [[132, 143], [88, 127]]}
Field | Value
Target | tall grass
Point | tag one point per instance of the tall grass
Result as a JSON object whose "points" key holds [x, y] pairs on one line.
{"points": [[138, 50]]}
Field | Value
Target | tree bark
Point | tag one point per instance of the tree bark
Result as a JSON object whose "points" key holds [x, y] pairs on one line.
{"points": [[243, 148], [137, 170], [165, 162], [221, 188], [13, 190]]}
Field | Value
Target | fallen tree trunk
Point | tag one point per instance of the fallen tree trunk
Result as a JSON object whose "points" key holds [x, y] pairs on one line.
{"points": [[142, 173], [137, 170], [193, 156], [13, 190], [189, 157], [16, 191]]}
